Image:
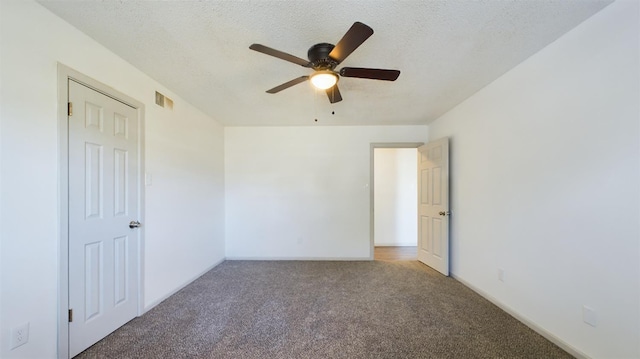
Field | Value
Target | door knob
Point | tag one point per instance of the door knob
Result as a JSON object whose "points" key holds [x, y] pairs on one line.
{"points": [[443, 213], [134, 224]]}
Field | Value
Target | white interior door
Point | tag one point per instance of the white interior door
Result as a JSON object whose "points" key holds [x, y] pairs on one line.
{"points": [[103, 200], [433, 205]]}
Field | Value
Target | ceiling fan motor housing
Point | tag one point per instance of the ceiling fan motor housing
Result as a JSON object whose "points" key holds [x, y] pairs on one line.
{"points": [[318, 55]]}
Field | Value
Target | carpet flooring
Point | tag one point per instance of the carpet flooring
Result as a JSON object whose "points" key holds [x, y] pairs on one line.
{"points": [[308, 309]]}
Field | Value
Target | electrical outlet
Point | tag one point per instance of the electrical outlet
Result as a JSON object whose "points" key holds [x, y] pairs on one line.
{"points": [[589, 316], [19, 335], [501, 274]]}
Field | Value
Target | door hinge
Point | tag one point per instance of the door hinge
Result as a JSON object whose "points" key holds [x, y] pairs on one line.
{"points": [[69, 109], [70, 315]]}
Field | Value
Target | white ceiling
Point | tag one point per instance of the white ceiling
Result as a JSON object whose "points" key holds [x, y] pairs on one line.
{"points": [[446, 50]]}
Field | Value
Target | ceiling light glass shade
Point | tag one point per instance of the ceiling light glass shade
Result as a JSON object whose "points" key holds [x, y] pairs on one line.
{"points": [[324, 79]]}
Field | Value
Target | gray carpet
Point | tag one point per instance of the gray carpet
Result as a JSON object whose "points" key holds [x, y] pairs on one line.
{"points": [[304, 309]]}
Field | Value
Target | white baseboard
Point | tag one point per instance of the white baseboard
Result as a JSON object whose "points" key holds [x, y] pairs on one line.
{"points": [[391, 244], [240, 258], [186, 283], [526, 321]]}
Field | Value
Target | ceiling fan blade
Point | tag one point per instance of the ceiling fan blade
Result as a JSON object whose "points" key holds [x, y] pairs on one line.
{"points": [[374, 74], [334, 94], [354, 37], [280, 55], [286, 85]]}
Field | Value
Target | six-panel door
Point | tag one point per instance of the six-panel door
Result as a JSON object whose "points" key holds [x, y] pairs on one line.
{"points": [[433, 205], [103, 199]]}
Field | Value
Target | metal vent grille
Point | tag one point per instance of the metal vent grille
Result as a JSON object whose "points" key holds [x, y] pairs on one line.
{"points": [[159, 99], [164, 101]]}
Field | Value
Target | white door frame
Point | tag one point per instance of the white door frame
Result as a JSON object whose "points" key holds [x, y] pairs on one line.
{"points": [[64, 75], [373, 146]]}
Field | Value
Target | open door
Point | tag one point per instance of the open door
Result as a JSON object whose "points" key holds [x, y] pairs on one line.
{"points": [[433, 205]]}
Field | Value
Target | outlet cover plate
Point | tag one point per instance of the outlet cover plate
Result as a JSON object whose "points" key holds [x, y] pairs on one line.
{"points": [[19, 335], [589, 316]]}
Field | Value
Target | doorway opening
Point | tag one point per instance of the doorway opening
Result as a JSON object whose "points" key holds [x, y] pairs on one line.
{"points": [[394, 207]]}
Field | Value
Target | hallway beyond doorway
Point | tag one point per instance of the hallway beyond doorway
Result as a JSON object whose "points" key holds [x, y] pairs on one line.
{"points": [[406, 253]]}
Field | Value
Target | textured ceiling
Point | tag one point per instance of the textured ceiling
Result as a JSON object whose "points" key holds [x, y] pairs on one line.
{"points": [[446, 50]]}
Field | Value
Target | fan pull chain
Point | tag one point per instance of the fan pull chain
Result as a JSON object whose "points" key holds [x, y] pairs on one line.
{"points": [[315, 104]]}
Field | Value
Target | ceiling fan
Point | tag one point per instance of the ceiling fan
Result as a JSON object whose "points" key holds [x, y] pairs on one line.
{"points": [[323, 59]]}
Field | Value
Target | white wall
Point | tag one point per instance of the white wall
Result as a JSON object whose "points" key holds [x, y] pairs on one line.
{"points": [[302, 192], [395, 196], [545, 184], [184, 153]]}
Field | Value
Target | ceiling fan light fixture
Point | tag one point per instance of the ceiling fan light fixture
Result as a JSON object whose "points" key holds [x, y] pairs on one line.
{"points": [[324, 79]]}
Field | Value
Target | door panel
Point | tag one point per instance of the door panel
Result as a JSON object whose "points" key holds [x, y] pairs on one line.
{"points": [[433, 205], [120, 187], [424, 184], [425, 245], [103, 183], [436, 186], [93, 279], [93, 180], [120, 269], [436, 236]]}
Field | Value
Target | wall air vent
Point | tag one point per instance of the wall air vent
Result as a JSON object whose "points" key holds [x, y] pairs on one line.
{"points": [[163, 101], [159, 99]]}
